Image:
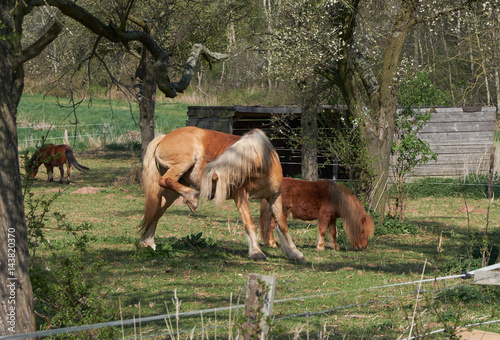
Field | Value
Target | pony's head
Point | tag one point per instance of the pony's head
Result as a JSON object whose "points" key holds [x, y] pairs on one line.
{"points": [[32, 166], [366, 231]]}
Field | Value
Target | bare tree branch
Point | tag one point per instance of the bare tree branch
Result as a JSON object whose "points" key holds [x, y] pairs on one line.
{"points": [[38, 46]]}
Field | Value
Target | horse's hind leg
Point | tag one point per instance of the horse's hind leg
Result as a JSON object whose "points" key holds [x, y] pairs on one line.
{"points": [[170, 181], [147, 238], [291, 252]]}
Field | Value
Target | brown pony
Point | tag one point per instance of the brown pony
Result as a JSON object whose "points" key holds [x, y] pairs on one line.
{"points": [[324, 201], [190, 158], [54, 155]]}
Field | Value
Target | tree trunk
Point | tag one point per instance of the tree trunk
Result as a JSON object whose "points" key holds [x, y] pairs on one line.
{"points": [[16, 302], [310, 139], [147, 100]]}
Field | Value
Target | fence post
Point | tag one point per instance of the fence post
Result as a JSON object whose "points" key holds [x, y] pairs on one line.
{"points": [[103, 135], [258, 306], [66, 138]]}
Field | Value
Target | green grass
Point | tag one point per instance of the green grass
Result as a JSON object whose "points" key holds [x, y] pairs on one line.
{"points": [[205, 271], [43, 116]]}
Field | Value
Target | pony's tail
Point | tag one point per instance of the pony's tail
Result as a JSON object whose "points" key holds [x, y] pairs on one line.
{"points": [[152, 191], [253, 152], [72, 160]]}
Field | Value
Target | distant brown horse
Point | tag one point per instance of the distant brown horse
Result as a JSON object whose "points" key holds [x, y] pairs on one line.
{"points": [[324, 201], [54, 156], [191, 158]]}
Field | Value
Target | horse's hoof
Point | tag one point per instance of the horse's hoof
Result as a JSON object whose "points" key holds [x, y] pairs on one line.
{"points": [[146, 244], [258, 256], [320, 248], [335, 247], [272, 245], [192, 206]]}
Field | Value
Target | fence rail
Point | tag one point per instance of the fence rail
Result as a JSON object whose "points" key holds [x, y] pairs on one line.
{"points": [[135, 321]]}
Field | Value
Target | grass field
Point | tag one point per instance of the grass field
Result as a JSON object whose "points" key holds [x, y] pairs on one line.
{"points": [[43, 116], [87, 267]]}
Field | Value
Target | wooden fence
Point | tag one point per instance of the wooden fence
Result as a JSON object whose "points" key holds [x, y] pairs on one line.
{"points": [[461, 136]]}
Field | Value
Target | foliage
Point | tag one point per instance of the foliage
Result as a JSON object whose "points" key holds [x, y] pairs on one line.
{"points": [[342, 142], [408, 150], [395, 226], [65, 285], [420, 91]]}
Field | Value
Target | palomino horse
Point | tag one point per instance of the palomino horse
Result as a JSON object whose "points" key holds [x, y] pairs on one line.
{"points": [[54, 156], [191, 158], [324, 201]]}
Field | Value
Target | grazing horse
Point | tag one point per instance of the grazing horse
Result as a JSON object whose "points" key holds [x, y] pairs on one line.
{"points": [[54, 156], [190, 158], [324, 201]]}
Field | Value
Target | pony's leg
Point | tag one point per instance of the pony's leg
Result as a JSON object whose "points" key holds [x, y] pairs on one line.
{"points": [[170, 181], [266, 222], [287, 245], [322, 227], [241, 200], [332, 233], [147, 237], [61, 170], [50, 172], [68, 172]]}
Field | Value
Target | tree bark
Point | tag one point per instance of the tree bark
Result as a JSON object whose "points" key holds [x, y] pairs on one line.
{"points": [[16, 300], [146, 99], [309, 139]]}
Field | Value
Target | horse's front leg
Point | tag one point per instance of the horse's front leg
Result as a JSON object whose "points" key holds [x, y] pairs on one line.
{"points": [[241, 200], [287, 245]]}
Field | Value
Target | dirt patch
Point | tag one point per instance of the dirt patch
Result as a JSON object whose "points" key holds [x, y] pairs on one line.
{"points": [[87, 190], [464, 208]]}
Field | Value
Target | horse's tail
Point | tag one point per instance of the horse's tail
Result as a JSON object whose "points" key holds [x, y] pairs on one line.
{"points": [[152, 190], [354, 215], [72, 160], [252, 153]]}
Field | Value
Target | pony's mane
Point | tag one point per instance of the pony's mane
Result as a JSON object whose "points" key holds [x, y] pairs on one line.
{"points": [[250, 154], [351, 211]]}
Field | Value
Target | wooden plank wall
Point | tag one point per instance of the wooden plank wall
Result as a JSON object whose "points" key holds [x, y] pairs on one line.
{"points": [[462, 137]]}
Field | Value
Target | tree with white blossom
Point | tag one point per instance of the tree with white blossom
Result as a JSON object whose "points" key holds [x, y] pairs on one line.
{"points": [[356, 46]]}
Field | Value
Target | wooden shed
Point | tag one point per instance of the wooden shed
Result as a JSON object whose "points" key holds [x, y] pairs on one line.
{"points": [[461, 136]]}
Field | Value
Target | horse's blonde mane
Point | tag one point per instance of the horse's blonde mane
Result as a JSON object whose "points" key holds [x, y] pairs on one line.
{"points": [[351, 211], [252, 153]]}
